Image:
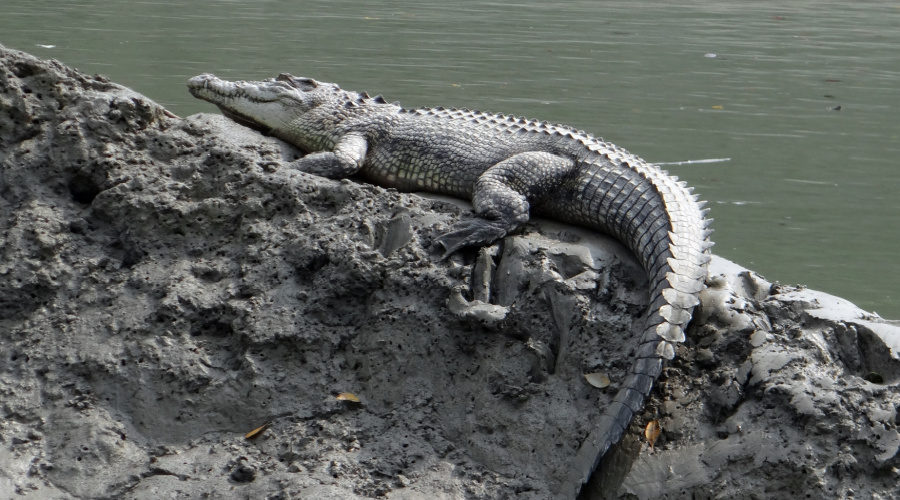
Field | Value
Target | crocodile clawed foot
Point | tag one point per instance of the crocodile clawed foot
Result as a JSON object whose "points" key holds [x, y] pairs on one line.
{"points": [[471, 232]]}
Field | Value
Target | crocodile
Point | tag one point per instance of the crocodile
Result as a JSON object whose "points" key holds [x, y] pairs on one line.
{"points": [[509, 168]]}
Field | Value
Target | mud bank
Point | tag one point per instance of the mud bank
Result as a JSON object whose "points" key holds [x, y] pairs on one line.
{"points": [[168, 285]]}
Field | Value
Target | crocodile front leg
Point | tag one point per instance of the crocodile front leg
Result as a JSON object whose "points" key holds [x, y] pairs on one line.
{"points": [[346, 159], [502, 197]]}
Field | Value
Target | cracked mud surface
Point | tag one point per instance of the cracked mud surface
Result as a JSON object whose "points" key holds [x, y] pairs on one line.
{"points": [[168, 285]]}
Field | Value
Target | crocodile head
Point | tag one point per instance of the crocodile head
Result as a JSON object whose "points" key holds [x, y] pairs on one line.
{"points": [[268, 105]]}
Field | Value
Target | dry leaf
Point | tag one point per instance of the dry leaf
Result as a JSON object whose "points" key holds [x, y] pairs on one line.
{"points": [[346, 396], [255, 433], [598, 380], [652, 431]]}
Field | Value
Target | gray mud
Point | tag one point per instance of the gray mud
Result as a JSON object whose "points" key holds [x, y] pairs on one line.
{"points": [[168, 285]]}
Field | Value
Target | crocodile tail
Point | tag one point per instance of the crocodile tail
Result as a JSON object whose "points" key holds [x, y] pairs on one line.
{"points": [[665, 226], [656, 346]]}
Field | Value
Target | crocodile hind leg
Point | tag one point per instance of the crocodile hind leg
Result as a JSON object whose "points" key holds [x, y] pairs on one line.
{"points": [[503, 195]]}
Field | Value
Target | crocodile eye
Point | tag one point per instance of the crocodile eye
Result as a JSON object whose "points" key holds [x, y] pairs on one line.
{"points": [[299, 83]]}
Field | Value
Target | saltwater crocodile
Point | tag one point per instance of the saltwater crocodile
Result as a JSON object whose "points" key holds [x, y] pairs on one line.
{"points": [[509, 168]]}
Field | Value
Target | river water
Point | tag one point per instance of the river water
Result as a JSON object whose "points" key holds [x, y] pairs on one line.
{"points": [[799, 101]]}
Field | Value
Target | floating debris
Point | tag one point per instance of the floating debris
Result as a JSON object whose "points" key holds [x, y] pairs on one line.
{"points": [[807, 181], [691, 162]]}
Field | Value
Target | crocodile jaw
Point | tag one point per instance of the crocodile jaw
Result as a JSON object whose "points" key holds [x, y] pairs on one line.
{"points": [[265, 105]]}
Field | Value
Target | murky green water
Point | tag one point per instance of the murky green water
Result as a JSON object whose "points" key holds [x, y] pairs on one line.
{"points": [[809, 195]]}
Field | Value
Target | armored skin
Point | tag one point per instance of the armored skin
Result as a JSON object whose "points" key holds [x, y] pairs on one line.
{"points": [[509, 168]]}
